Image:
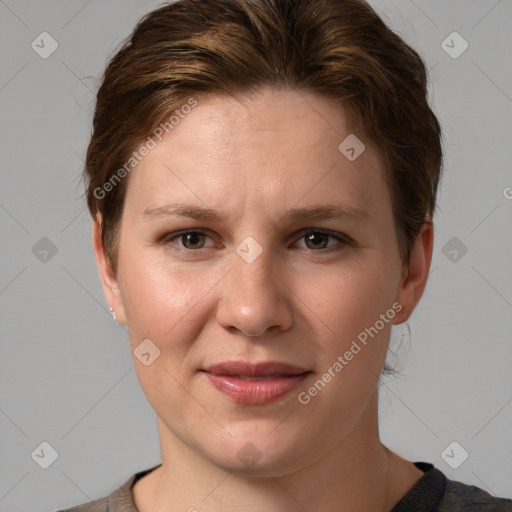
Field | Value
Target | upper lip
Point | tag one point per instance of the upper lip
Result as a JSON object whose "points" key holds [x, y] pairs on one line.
{"points": [[246, 369]]}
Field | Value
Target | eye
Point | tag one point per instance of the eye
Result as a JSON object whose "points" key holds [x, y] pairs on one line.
{"points": [[319, 240], [188, 240]]}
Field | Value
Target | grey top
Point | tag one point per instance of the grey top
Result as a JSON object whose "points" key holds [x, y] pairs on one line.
{"points": [[433, 492]]}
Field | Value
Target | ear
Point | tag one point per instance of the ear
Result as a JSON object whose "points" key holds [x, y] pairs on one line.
{"points": [[107, 276], [416, 274]]}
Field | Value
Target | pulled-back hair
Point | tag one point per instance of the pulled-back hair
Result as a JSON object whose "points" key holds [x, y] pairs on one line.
{"points": [[340, 49]]}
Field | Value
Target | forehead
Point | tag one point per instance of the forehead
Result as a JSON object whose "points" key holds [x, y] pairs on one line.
{"points": [[270, 150]]}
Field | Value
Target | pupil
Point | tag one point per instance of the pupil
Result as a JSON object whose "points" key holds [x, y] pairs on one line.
{"points": [[192, 238], [312, 236]]}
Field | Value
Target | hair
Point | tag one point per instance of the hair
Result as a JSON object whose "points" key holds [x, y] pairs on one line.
{"points": [[339, 49]]}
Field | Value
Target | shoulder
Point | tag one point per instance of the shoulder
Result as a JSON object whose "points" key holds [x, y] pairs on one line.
{"points": [[99, 505], [468, 498], [434, 492], [120, 500]]}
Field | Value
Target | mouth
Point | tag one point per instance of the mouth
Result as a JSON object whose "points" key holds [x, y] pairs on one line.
{"points": [[255, 384]]}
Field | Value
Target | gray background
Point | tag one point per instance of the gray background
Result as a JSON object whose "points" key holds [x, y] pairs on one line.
{"points": [[66, 372]]}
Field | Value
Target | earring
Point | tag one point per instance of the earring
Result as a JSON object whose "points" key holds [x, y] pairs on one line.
{"points": [[113, 314]]}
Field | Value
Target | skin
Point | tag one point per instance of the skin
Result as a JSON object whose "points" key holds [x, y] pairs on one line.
{"points": [[254, 159]]}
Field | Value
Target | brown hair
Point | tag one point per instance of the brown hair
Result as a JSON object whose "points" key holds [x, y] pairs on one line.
{"points": [[340, 49]]}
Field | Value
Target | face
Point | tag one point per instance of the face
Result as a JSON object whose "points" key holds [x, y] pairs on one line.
{"points": [[249, 237]]}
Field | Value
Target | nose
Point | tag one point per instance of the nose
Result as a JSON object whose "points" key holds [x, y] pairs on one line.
{"points": [[255, 298]]}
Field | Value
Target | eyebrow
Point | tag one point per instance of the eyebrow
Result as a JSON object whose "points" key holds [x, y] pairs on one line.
{"points": [[313, 212]]}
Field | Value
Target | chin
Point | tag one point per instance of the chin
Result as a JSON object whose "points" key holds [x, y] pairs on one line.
{"points": [[254, 464], [256, 454]]}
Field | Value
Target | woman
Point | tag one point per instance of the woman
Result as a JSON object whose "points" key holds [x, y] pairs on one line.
{"points": [[262, 177]]}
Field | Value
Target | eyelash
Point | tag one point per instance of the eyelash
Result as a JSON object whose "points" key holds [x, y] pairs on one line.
{"points": [[340, 237]]}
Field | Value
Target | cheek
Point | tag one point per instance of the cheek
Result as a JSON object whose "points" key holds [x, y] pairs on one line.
{"points": [[353, 303], [159, 304], [357, 308], [150, 288], [162, 301], [355, 297]]}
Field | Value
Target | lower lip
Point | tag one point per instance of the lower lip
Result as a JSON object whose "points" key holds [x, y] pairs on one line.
{"points": [[255, 392]]}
